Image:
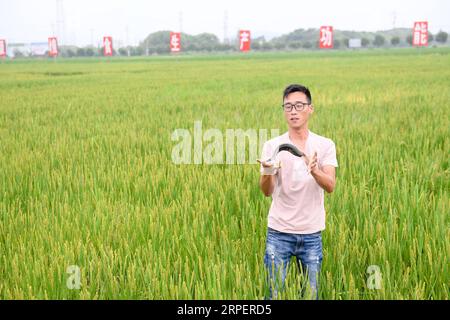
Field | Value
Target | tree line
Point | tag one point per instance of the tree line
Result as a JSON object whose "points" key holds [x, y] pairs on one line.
{"points": [[158, 42]]}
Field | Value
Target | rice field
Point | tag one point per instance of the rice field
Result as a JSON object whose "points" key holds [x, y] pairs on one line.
{"points": [[87, 177]]}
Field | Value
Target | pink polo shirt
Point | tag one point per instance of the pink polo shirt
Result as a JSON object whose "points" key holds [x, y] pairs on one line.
{"points": [[298, 200]]}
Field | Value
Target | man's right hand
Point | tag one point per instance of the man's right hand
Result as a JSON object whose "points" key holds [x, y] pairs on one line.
{"points": [[270, 168], [268, 176]]}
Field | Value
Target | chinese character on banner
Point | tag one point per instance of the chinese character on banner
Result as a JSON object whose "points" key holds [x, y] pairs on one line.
{"points": [[107, 46], [2, 48], [326, 37], [420, 33], [52, 47], [244, 40], [175, 42]]}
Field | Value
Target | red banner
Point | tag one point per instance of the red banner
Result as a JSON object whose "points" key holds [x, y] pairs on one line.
{"points": [[107, 46], [326, 37], [175, 42], [2, 48], [52, 47], [244, 40], [420, 34]]}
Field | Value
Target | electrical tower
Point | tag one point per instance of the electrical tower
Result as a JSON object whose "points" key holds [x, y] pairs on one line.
{"points": [[394, 19], [60, 22], [92, 37], [180, 18], [127, 38], [225, 27]]}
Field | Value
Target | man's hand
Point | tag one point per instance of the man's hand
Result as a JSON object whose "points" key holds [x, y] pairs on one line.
{"points": [[311, 162], [270, 168], [268, 176], [325, 177]]}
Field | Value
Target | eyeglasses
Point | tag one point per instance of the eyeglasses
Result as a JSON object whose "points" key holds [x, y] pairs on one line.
{"points": [[299, 106]]}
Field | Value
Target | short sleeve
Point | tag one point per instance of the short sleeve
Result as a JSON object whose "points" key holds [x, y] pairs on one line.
{"points": [[265, 154], [329, 158]]}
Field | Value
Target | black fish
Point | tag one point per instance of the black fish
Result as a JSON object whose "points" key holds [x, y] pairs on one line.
{"points": [[286, 147]]}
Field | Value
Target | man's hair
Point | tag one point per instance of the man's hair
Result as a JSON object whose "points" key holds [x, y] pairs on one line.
{"points": [[297, 88]]}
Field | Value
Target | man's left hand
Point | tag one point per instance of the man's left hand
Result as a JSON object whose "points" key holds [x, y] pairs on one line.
{"points": [[311, 162]]}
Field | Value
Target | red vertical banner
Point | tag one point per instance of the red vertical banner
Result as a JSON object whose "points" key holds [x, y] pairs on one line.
{"points": [[52, 47], [107, 46], [2, 48], [175, 42], [244, 40], [420, 34], [326, 37]]}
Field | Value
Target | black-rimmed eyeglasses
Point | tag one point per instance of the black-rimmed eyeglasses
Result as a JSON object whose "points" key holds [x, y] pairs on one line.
{"points": [[299, 106]]}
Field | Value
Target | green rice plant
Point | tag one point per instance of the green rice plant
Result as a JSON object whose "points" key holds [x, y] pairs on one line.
{"points": [[87, 180]]}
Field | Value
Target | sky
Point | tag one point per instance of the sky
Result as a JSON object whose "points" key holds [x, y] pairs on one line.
{"points": [[130, 21]]}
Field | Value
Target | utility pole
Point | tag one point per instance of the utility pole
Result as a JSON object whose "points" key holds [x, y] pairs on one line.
{"points": [[225, 27]]}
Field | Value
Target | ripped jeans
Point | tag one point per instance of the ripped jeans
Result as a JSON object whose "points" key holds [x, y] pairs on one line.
{"points": [[280, 247]]}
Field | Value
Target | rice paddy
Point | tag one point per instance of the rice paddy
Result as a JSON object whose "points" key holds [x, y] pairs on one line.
{"points": [[87, 177]]}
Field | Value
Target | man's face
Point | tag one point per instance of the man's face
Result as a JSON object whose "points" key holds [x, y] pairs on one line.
{"points": [[294, 118]]}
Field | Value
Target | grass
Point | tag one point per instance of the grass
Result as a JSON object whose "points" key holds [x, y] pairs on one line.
{"points": [[86, 176]]}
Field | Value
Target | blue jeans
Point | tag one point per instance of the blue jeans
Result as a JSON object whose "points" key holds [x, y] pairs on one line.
{"points": [[280, 247]]}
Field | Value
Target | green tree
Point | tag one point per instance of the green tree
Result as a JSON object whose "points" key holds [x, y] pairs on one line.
{"points": [[123, 51], [204, 41], [268, 46], [191, 47], [336, 44], [294, 45], [18, 54], [365, 42], [81, 52], [409, 39], [307, 45], [90, 52], [158, 42], [379, 40], [70, 53], [279, 46], [395, 41], [346, 42], [257, 43], [137, 51], [442, 37], [224, 47]]}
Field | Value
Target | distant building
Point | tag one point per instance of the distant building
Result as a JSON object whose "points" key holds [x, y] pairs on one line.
{"points": [[33, 49], [39, 48], [354, 43], [14, 48]]}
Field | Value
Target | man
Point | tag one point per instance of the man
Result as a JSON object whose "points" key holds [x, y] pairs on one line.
{"points": [[296, 184]]}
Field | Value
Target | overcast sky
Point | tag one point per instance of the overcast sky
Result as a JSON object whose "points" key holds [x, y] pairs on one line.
{"points": [[87, 21]]}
